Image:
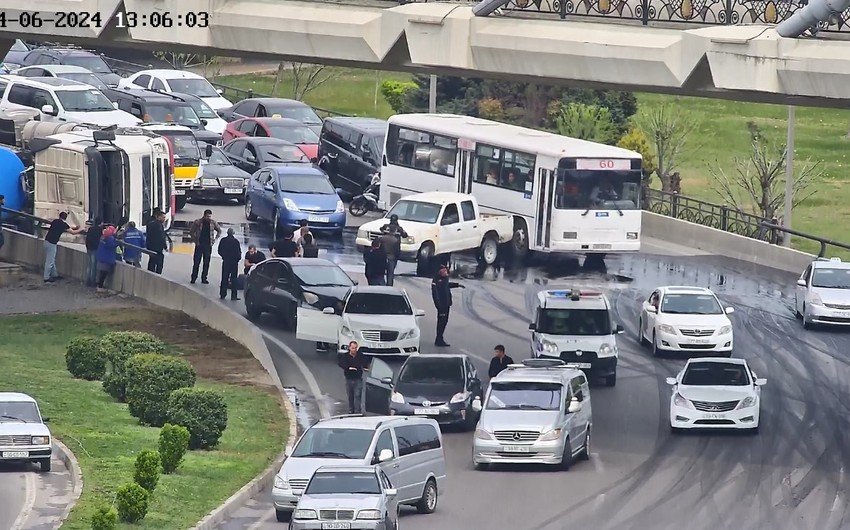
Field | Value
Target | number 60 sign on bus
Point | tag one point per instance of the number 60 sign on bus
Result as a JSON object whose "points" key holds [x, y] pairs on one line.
{"points": [[603, 164]]}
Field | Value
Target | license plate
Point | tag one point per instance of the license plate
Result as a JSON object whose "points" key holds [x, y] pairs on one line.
{"points": [[580, 366], [516, 449], [335, 526], [232, 191], [699, 341], [318, 219], [714, 416], [179, 192], [16, 454], [427, 412], [602, 246]]}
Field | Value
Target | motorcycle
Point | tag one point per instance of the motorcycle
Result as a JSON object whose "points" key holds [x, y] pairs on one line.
{"points": [[368, 200]]}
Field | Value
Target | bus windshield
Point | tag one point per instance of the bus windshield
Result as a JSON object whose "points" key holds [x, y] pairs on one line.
{"points": [[597, 190]]}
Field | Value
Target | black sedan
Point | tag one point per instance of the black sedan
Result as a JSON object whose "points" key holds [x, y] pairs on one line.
{"points": [[282, 285], [439, 386], [254, 153], [219, 179]]}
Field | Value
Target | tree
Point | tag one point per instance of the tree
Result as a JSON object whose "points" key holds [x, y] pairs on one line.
{"points": [[668, 130], [636, 140], [757, 183], [182, 61], [395, 92], [305, 77], [586, 122]]}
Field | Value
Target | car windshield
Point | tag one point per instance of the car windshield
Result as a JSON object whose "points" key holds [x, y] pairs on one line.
{"points": [[12, 411], [378, 304], [296, 135], [321, 275], [318, 184], [524, 396], [179, 113], [690, 304], [91, 100], [282, 153], [831, 278], [218, 158], [196, 87], [434, 371], [344, 482], [84, 77], [305, 114], [92, 63], [420, 212], [185, 146], [574, 322], [203, 110], [321, 442], [716, 374]]}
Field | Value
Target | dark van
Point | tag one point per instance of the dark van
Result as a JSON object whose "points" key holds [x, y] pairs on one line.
{"points": [[350, 151]]}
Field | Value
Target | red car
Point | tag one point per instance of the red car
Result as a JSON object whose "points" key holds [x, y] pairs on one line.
{"points": [[281, 128]]}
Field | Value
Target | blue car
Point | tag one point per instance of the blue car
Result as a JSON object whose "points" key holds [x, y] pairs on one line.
{"points": [[284, 194]]}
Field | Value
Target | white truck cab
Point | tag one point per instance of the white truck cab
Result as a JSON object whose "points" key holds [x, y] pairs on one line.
{"points": [[577, 326]]}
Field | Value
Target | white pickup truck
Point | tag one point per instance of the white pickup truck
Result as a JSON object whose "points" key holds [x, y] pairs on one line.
{"points": [[440, 223]]}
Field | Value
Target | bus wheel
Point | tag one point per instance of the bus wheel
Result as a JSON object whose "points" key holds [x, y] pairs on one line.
{"points": [[425, 259], [180, 203], [519, 244]]}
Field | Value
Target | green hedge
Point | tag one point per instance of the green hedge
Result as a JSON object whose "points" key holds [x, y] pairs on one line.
{"points": [[132, 502], [85, 359], [150, 379], [104, 518], [203, 412], [148, 468], [119, 346], [173, 443]]}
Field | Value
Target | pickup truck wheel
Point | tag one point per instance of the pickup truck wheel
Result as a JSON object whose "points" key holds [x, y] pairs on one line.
{"points": [[425, 259], [249, 210], [180, 202], [489, 251]]}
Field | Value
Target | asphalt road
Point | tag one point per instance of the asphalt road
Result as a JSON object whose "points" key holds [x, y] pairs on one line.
{"points": [[640, 476], [32, 500]]}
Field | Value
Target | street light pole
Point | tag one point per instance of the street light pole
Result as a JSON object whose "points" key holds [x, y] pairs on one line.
{"points": [[789, 174], [432, 96]]}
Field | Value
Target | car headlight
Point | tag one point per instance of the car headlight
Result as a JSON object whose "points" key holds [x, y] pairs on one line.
{"points": [[397, 398], [310, 298], [666, 328], [340, 208], [369, 514], [460, 397], [345, 330], [409, 240], [409, 334], [547, 346], [724, 330], [606, 351], [40, 440], [280, 483], [554, 434], [304, 514], [815, 299], [209, 182], [483, 434], [362, 234], [631, 235], [290, 205], [680, 401], [747, 402]]}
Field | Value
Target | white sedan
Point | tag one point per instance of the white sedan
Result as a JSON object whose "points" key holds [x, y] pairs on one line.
{"points": [[685, 319], [823, 293], [715, 393]]}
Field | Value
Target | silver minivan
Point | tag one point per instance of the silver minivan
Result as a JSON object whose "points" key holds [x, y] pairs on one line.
{"points": [[408, 449], [535, 412]]}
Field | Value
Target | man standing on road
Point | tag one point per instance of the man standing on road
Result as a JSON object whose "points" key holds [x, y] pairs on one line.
{"points": [[51, 240], [230, 252], [353, 365], [157, 241], [499, 362], [391, 242], [203, 233], [441, 292], [286, 247], [376, 263], [93, 234]]}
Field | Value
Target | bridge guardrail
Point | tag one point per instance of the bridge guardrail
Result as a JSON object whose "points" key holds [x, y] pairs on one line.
{"points": [[822, 241]]}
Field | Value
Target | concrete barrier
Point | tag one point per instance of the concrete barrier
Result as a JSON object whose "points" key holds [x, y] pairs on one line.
{"points": [[722, 243]]}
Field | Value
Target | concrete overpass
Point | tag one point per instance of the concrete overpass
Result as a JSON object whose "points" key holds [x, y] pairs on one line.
{"points": [[742, 62]]}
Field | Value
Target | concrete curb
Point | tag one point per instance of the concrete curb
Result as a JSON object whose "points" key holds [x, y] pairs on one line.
{"points": [[67, 457]]}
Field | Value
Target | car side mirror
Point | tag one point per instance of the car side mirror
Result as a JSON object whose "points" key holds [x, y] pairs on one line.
{"points": [[761, 382], [532, 326], [115, 104], [730, 310], [328, 311], [219, 91], [575, 406], [651, 308], [671, 380], [209, 149], [48, 109], [390, 492], [801, 283], [314, 160], [385, 455], [476, 405], [419, 313], [579, 396], [387, 380], [203, 122], [287, 452], [619, 329]]}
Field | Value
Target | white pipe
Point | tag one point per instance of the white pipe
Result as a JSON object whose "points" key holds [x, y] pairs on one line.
{"points": [[810, 16]]}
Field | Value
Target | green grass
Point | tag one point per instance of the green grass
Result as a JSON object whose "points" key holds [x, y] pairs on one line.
{"points": [[106, 439]]}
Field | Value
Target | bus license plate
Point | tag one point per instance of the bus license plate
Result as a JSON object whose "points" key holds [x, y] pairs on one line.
{"points": [[516, 449], [16, 454], [336, 526], [427, 412], [232, 191], [318, 219], [179, 192]]}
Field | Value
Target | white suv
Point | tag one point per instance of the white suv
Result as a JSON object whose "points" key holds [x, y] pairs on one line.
{"points": [[177, 81], [823, 293], [23, 434], [59, 99]]}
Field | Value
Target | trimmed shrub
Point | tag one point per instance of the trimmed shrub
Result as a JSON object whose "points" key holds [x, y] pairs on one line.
{"points": [[119, 346], [203, 412], [150, 379], [148, 466], [173, 443], [132, 502], [85, 359], [104, 518]]}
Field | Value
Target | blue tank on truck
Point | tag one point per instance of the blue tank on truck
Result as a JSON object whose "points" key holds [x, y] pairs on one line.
{"points": [[11, 168]]}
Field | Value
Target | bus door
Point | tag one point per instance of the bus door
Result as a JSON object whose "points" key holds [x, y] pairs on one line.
{"points": [[463, 167], [545, 199]]}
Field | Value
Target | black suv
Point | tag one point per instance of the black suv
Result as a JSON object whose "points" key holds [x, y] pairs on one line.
{"points": [[160, 107], [350, 151], [74, 57]]}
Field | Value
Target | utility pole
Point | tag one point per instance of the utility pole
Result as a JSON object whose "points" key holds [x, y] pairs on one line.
{"points": [[432, 96], [789, 174]]}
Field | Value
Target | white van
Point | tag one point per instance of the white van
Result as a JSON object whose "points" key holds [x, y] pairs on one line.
{"points": [[577, 326]]}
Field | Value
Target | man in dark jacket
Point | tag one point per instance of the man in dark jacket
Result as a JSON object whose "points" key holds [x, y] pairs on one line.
{"points": [[391, 243], [203, 232], [376, 263], [353, 365], [93, 233], [230, 252], [441, 292], [499, 362], [156, 241], [285, 247]]}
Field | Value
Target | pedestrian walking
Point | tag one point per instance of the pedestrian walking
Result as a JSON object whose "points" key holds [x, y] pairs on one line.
{"points": [[252, 257], [51, 241], [499, 362], [156, 241], [353, 364], [441, 292], [203, 233], [286, 247], [135, 237], [93, 235], [106, 255], [2, 204], [230, 251], [376, 263], [309, 248], [391, 243]]}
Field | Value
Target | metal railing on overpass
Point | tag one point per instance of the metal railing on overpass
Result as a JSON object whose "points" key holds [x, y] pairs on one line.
{"points": [[772, 227]]}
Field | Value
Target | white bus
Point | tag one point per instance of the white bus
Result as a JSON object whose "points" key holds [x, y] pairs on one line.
{"points": [[565, 195]]}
